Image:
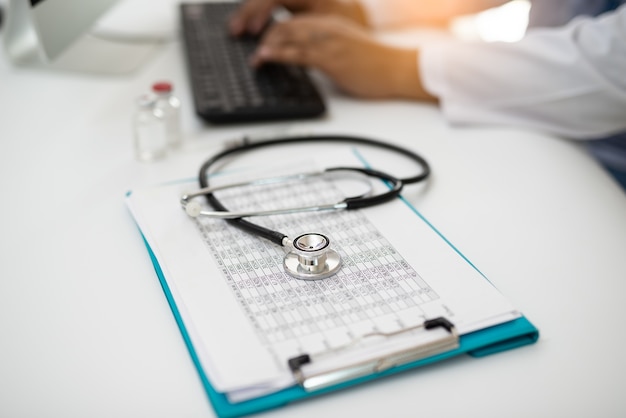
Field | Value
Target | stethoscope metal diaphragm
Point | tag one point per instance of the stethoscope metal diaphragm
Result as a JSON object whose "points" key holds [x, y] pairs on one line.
{"points": [[311, 258]]}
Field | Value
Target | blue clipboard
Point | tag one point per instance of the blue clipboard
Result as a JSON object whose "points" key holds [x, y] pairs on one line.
{"points": [[512, 334]]}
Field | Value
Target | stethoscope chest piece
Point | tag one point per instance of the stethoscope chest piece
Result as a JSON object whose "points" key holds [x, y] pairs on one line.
{"points": [[312, 258]]}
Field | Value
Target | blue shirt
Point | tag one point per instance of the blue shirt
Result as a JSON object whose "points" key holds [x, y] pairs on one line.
{"points": [[559, 12]]}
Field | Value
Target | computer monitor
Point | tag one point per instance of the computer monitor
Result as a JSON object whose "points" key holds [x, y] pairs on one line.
{"points": [[56, 34]]}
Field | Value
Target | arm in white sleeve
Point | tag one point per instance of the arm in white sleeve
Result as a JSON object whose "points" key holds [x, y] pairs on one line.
{"points": [[570, 81], [395, 13]]}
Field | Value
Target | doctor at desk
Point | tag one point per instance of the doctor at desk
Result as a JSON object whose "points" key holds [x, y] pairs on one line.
{"points": [[565, 77]]}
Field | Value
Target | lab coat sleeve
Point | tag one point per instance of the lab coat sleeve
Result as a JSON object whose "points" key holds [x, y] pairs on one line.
{"points": [[396, 13], [570, 81]]}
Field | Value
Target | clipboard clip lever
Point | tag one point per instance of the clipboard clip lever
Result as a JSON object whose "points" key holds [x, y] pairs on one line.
{"points": [[320, 380]]}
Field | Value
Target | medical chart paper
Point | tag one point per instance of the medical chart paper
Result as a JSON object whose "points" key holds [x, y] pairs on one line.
{"points": [[246, 317]]}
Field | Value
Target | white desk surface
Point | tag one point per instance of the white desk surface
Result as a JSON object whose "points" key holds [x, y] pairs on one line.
{"points": [[85, 330]]}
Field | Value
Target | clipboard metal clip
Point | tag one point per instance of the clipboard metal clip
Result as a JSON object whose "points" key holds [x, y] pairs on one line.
{"points": [[449, 341]]}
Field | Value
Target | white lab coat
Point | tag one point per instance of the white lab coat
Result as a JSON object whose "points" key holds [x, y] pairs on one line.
{"points": [[570, 81]]}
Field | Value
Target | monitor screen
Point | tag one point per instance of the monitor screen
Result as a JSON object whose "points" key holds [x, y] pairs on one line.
{"points": [[58, 34], [59, 23]]}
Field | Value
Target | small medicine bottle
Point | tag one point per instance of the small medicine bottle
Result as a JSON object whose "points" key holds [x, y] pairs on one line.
{"points": [[169, 107], [150, 140]]}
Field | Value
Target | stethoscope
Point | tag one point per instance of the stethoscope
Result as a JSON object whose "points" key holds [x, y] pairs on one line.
{"points": [[310, 256]]}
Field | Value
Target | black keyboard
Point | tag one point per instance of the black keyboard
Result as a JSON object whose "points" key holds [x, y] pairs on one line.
{"points": [[225, 88]]}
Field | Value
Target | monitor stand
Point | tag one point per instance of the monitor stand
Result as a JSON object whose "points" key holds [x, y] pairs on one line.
{"points": [[89, 54]]}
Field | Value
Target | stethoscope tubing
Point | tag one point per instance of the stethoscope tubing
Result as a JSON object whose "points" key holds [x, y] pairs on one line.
{"points": [[350, 203]]}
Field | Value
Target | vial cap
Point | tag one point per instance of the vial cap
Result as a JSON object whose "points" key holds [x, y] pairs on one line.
{"points": [[162, 87]]}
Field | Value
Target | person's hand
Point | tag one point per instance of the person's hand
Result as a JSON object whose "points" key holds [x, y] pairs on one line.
{"points": [[253, 15], [356, 62]]}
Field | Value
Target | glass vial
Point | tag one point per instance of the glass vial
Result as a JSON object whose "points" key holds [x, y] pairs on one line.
{"points": [[168, 105], [150, 140]]}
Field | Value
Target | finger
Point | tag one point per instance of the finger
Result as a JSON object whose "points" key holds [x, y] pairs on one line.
{"points": [[294, 41], [283, 33], [297, 31], [251, 17]]}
